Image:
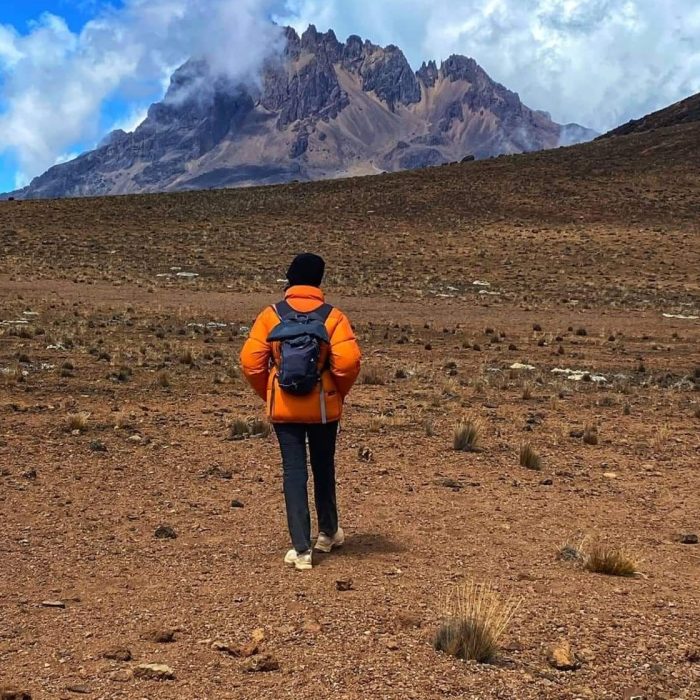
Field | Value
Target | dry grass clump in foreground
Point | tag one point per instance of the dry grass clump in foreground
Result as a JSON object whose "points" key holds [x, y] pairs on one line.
{"points": [[530, 458], [372, 376], [602, 558], [475, 619], [466, 436], [240, 429], [77, 421]]}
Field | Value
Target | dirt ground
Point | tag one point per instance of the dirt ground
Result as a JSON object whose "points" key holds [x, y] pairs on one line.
{"points": [[451, 277]]}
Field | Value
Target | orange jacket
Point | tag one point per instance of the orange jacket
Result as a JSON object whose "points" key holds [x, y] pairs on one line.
{"points": [[342, 359]]}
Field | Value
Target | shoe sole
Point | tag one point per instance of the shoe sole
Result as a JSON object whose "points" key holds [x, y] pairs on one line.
{"points": [[329, 548], [299, 566]]}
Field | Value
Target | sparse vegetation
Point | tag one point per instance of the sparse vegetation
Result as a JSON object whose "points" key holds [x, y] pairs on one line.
{"points": [[602, 558], [530, 458], [164, 380], [476, 617], [239, 429], [188, 358], [590, 435], [373, 375], [77, 421], [467, 435]]}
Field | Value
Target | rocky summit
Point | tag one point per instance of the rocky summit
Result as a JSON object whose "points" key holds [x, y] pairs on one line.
{"points": [[320, 109]]}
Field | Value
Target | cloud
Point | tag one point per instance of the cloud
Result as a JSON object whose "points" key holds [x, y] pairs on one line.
{"points": [[596, 62], [53, 82]]}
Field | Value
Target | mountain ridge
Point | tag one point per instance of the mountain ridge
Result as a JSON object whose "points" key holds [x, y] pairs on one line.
{"points": [[322, 109]]}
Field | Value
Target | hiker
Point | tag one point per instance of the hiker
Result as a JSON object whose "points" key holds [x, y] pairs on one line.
{"points": [[302, 358]]}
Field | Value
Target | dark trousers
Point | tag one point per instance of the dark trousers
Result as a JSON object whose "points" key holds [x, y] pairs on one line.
{"points": [[292, 439]]}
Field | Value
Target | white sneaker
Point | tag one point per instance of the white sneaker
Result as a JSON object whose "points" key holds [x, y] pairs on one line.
{"points": [[301, 562], [324, 543]]}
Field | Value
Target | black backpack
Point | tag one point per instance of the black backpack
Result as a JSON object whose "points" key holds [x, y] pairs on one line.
{"points": [[300, 336]]}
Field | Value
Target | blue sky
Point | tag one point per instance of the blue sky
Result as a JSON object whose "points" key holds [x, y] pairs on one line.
{"points": [[72, 70]]}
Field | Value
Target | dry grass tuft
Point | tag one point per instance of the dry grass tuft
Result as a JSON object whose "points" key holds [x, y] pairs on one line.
{"points": [[238, 429], [259, 428], [530, 458], [475, 619], [602, 558], [77, 421], [373, 375], [590, 435], [164, 380], [188, 358], [527, 392], [466, 436]]}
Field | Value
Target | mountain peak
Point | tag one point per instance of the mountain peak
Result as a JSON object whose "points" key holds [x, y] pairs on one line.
{"points": [[321, 108]]}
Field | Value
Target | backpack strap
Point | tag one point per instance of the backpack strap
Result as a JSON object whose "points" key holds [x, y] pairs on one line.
{"points": [[323, 312], [283, 309]]}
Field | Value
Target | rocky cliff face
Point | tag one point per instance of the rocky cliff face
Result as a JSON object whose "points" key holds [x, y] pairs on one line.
{"points": [[323, 108]]}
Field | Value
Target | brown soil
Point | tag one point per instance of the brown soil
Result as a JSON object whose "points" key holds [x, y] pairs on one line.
{"points": [[601, 240]]}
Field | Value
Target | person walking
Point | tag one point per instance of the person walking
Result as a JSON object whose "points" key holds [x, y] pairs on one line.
{"points": [[302, 358]]}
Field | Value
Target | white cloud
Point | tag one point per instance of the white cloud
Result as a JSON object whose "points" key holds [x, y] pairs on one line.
{"points": [[597, 62], [53, 82]]}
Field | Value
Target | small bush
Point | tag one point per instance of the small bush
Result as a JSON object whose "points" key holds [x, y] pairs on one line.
{"points": [[429, 427], [238, 429], [164, 380], [77, 421], [581, 332], [476, 618], [527, 392], [466, 436], [373, 376], [188, 358], [259, 428], [590, 435], [530, 458], [626, 410], [612, 561]]}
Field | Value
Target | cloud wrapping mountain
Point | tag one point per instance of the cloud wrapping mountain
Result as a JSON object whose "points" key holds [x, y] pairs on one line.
{"points": [[322, 109], [597, 62]]}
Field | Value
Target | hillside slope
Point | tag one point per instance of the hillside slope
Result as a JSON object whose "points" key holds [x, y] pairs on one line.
{"points": [[684, 112]]}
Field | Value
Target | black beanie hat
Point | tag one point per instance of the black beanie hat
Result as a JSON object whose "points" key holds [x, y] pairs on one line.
{"points": [[306, 269]]}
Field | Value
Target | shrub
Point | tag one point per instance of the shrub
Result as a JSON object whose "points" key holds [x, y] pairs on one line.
{"points": [[372, 376], [527, 392], [466, 436], [609, 560], [529, 458], [238, 429], [476, 618], [259, 428], [77, 421], [187, 358], [590, 435], [429, 427]]}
